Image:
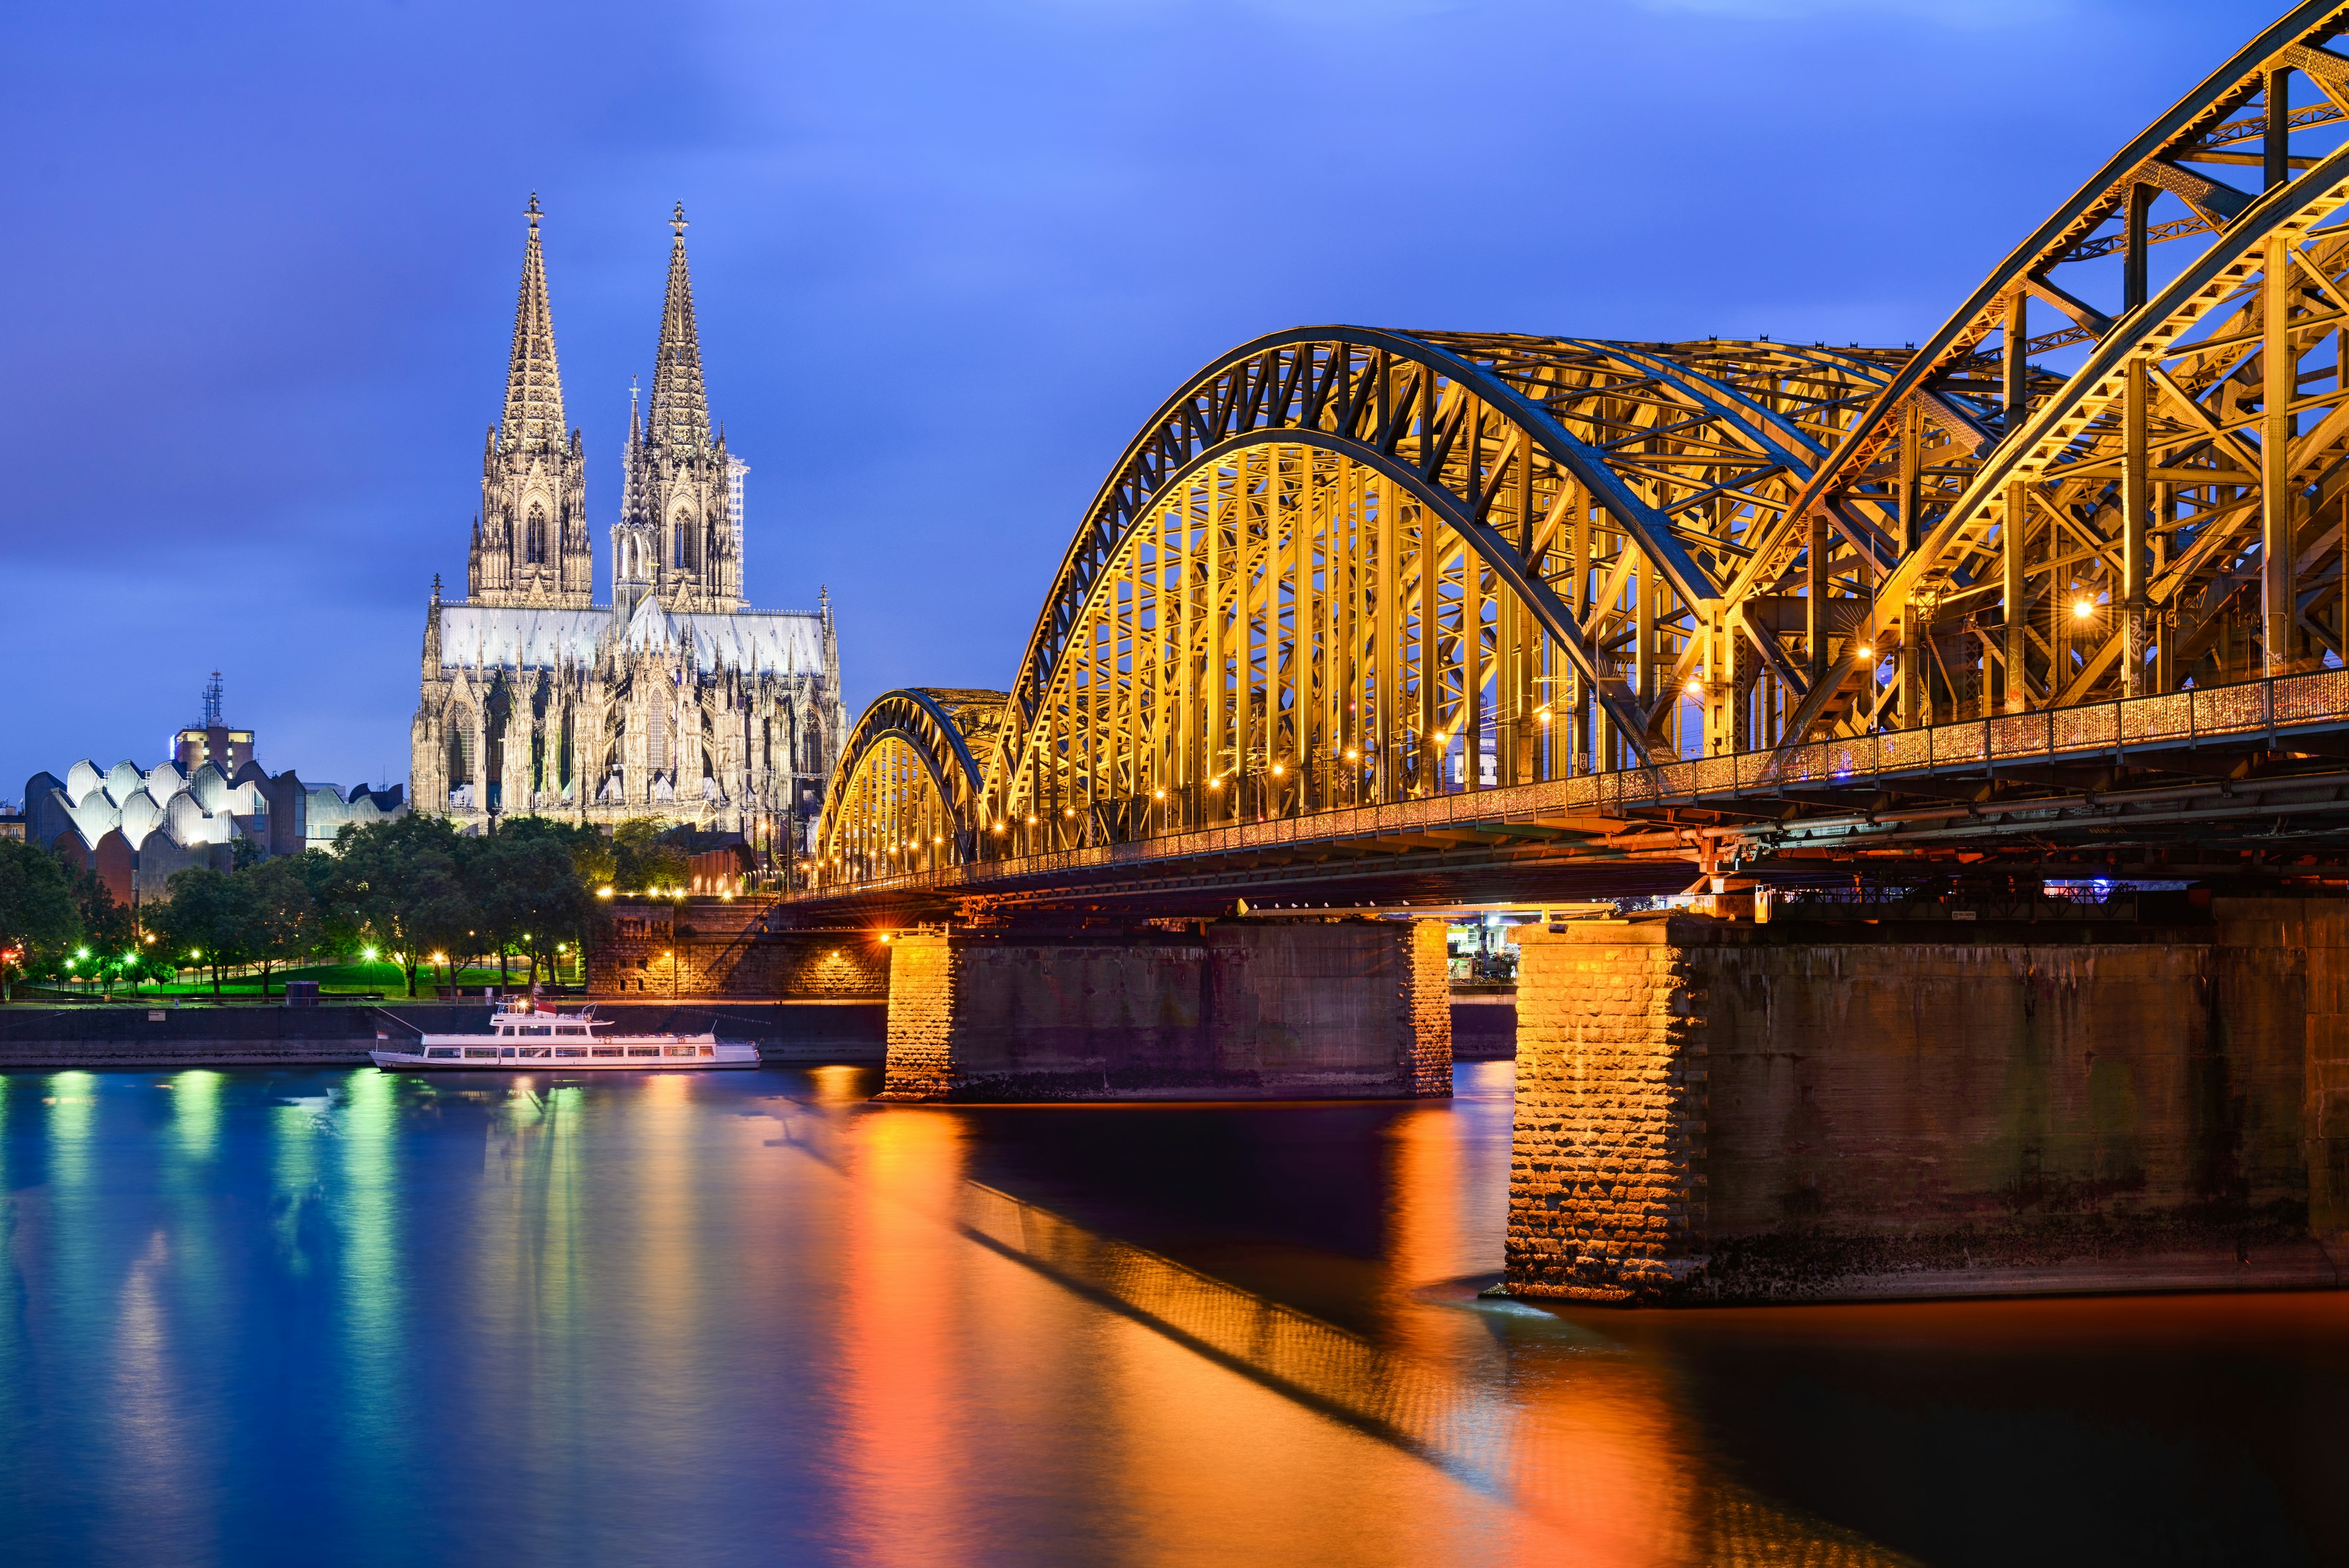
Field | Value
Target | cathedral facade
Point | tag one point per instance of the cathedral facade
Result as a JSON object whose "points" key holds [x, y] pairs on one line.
{"points": [[671, 697]]}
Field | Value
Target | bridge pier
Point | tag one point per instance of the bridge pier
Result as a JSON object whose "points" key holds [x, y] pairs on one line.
{"points": [[1715, 1111], [1236, 1010]]}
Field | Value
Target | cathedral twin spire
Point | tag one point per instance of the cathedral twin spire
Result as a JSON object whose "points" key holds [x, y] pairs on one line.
{"points": [[530, 544], [680, 410], [534, 414]]}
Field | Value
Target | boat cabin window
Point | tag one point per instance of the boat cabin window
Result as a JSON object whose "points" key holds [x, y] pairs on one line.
{"points": [[441, 1051], [571, 1050], [709, 1049], [490, 1051], [609, 1051], [644, 1050]]}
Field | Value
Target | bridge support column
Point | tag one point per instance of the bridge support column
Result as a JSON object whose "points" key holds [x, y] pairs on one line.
{"points": [[1715, 1111], [1239, 1010], [1606, 1180]]}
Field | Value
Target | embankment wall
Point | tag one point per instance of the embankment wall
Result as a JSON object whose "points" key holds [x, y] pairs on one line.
{"points": [[107, 1037]]}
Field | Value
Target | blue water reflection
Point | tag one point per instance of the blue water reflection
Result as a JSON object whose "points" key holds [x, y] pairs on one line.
{"points": [[297, 1317]]}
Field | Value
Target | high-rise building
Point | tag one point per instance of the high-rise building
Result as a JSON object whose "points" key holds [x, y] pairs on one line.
{"points": [[674, 698], [210, 739]]}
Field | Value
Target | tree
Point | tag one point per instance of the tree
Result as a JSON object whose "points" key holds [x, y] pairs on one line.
{"points": [[529, 889], [40, 919], [206, 921], [281, 920], [400, 884], [337, 929], [107, 927], [644, 858]]}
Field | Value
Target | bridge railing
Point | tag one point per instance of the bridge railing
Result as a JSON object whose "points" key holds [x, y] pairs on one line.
{"points": [[2272, 707]]}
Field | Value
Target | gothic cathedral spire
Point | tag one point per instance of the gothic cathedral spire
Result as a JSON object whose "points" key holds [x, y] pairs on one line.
{"points": [[533, 385], [680, 412], [531, 544], [675, 538]]}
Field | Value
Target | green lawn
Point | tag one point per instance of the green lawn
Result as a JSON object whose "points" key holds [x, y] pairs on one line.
{"points": [[334, 979]]}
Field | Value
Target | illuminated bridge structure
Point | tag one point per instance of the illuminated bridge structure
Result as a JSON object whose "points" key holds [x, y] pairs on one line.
{"points": [[1364, 614]]}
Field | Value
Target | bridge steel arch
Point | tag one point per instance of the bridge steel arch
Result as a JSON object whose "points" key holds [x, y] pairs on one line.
{"points": [[1493, 547], [902, 794], [2142, 493], [1347, 565]]}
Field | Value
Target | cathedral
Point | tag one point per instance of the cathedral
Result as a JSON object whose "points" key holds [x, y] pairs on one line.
{"points": [[671, 698]]}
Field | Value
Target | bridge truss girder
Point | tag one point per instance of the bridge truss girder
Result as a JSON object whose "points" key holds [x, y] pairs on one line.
{"points": [[1345, 566]]}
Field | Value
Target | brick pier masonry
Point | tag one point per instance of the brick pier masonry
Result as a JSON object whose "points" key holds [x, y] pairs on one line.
{"points": [[1718, 1111], [1236, 1010]]}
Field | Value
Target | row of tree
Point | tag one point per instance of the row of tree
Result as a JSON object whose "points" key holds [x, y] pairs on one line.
{"points": [[414, 890]]}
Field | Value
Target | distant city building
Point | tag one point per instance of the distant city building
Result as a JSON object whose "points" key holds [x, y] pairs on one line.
{"points": [[12, 822], [135, 827], [211, 741], [735, 469], [672, 700]]}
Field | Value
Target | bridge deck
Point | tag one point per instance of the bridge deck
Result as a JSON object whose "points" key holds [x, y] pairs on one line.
{"points": [[2122, 776]]}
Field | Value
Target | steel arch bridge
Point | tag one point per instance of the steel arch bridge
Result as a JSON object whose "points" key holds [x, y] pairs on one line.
{"points": [[1345, 571]]}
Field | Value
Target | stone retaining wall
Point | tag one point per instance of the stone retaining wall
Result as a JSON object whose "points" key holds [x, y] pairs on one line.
{"points": [[717, 948]]}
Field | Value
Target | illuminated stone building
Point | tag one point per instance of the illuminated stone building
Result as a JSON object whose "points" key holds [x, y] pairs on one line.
{"points": [[135, 827], [671, 698]]}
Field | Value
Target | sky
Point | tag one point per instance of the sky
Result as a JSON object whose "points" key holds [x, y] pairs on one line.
{"points": [[947, 257]]}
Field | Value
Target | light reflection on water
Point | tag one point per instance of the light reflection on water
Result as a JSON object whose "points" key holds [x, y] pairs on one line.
{"points": [[254, 1317]]}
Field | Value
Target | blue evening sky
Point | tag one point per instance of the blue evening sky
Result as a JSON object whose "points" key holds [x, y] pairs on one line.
{"points": [[946, 256]]}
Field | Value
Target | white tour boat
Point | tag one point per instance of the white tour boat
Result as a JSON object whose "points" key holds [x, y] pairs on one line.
{"points": [[522, 1039]]}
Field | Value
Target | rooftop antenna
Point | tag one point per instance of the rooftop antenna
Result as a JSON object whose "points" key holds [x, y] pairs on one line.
{"points": [[212, 703]]}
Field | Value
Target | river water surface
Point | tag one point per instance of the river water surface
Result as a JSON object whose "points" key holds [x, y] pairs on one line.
{"points": [[254, 1317]]}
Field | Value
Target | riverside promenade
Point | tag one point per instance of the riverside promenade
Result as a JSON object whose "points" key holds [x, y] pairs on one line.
{"points": [[102, 1036]]}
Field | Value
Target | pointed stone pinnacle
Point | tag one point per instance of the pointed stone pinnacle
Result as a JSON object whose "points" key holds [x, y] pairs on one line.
{"points": [[679, 414], [533, 412]]}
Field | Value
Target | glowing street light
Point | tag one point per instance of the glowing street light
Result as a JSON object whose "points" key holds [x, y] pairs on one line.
{"points": [[2082, 608]]}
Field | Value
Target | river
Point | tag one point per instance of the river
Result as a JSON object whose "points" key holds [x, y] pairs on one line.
{"points": [[298, 1317]]}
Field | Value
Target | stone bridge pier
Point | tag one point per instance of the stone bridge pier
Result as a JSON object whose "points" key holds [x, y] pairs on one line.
{"points": [[1249, 1009], [1718, 1111]]}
